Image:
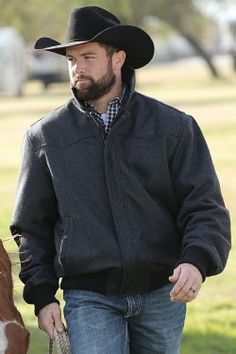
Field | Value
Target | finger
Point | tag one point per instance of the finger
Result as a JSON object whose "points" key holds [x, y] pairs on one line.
{"points": [[48, 316], [187, 294], [180, 291], [183, 289], [50, 331], [189, 297], [188, 276], [47, 325], [58, 323], [175, 276], [182, 283]]}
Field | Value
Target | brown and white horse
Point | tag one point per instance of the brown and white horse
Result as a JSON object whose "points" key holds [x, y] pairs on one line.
{"points": [[14, 337]]}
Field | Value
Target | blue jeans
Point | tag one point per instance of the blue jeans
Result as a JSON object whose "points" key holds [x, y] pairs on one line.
{"points": [[141, 324]]}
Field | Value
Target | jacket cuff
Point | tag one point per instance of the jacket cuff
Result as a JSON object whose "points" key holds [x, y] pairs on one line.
{"points": [[198, 257], [41, 296]]}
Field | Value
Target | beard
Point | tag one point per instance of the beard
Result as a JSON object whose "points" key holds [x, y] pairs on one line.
{"points": [[98, 88]]}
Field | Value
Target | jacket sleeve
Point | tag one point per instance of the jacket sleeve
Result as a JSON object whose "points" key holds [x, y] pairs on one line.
{"points": [[33, 222], [203, 219]]}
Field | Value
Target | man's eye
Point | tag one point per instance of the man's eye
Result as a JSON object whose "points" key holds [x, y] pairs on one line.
{"points": [[89, 57]]}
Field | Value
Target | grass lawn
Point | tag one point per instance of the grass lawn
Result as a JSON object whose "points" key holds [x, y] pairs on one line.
{"points": [[211, 321]]}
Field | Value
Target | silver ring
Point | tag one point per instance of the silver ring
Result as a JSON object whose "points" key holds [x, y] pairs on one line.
{"points": [[191, 289]]}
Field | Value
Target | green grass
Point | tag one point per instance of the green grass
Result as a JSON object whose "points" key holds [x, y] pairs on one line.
{"points": [[211, 321]]}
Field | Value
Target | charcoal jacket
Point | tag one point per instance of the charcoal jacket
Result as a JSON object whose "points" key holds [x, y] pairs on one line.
{"points": [[116, 213]]}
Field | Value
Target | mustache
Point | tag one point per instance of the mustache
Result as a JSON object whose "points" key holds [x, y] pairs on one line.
{"points": [[79, 77]]}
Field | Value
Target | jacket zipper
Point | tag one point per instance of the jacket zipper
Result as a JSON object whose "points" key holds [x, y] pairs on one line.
{"points": [[64, 237], [99, 128], [121, 115]]}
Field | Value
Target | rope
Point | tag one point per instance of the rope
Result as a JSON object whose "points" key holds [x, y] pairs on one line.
{"points": [[62, 343]]}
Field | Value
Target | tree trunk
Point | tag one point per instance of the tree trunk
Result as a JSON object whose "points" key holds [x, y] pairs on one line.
{"points": [[203, 54], [233, 55]]}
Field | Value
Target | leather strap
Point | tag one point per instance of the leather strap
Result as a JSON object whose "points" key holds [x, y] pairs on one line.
{"points": [[62, 343]]}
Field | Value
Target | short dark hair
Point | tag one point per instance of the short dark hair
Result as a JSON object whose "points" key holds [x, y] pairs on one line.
{"points": [[109, 49]]}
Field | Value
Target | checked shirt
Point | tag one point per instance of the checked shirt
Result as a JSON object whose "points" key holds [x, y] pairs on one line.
{"points": [[107, 119]]}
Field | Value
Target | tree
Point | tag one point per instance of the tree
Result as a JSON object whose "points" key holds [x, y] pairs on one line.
{"points": [[183, 16], [187, 19], [34, 18]]}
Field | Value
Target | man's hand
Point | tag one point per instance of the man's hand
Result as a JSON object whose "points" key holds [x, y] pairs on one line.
{"points": [[49, 319], [187, 279]]}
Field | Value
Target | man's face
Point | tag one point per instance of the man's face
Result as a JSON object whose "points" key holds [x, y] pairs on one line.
{"points": [[90, 70]]}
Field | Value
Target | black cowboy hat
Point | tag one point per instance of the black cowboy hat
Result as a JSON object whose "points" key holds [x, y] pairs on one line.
{"points": [[94, 24]]}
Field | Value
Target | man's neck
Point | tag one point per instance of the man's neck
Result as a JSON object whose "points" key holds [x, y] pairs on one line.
{"points": [[101, 103]]}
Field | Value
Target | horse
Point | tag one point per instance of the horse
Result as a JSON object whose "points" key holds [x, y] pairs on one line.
{"points": [[14, 337]]}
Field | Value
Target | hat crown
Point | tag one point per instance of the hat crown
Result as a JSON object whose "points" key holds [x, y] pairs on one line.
{"points": [[85, 23], [95, 24]]}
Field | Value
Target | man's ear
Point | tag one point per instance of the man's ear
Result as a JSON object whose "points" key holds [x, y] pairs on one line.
{"points": [[119, 59]]}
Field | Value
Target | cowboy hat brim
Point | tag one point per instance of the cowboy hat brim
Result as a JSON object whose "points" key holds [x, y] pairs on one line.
{"points": [[134, 41]]}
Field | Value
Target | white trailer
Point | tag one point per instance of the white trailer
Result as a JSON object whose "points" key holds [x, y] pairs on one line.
{"points": [[12, 62]]}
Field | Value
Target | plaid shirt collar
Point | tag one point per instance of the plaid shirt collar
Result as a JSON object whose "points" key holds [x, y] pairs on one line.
{"points": [[107, 119]]}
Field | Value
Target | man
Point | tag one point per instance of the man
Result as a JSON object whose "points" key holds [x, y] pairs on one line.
{"points": [[117, 195]]}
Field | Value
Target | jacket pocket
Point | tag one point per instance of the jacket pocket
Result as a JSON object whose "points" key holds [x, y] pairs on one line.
{"points": [[64, 241]]}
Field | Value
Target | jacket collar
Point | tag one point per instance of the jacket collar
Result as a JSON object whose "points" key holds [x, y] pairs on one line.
{"points": [[128, 78]]}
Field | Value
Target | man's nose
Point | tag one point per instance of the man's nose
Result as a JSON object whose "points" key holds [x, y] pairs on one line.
{"points": [[79, 67]]}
